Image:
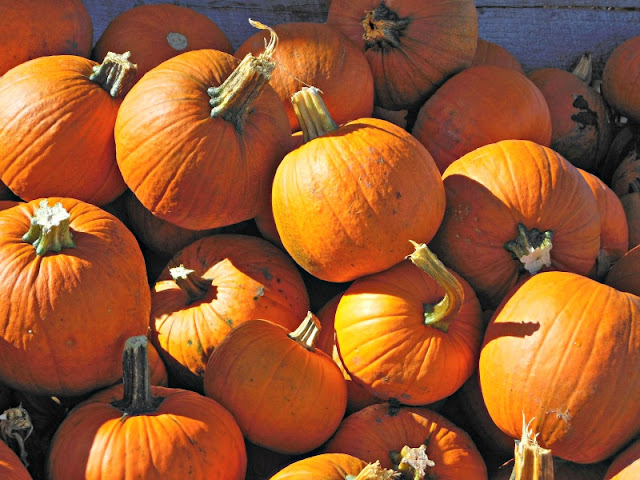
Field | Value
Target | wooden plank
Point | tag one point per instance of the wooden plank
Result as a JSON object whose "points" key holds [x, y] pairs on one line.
{"points": [[568, 4]]}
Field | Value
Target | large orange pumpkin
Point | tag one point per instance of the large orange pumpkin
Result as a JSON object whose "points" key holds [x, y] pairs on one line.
{"points": [[57, 116], [347, 202], [193, 165], [482, 104], [620, 79], [564, 351], [74, 288], [37, 28], [137, 430], [155, 33], [513, 207], [412, 46]]}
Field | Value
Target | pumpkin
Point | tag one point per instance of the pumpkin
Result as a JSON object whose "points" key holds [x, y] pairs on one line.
{"points": [[348, 200], [198, 144], [564, 350], [495, 54], [482, 104], [631, 206], [620, 79], [155, 33], [379, 433], [515, 207], [274, 382], [411, 333], [325, 466], [317, 54], [4, 204], [37, 28], [625, 464], [57, 115], [625, 273], [142, 431], [581, 130], [214, 285], [11, 468], [74, 288], [412, 47]]}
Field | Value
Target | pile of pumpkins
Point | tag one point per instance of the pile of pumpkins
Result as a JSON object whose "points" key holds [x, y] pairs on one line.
{"points": [[369, 248]]}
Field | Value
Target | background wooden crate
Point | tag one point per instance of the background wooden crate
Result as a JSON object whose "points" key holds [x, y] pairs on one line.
{"points": [[538, 32]]}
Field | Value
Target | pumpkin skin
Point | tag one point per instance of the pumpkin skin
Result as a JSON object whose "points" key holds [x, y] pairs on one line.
{"points": [[272, 385], [495, 54], [11, 468], [491, 190], [625, 273], [563, 350], [37, 28], [186, 167], [483, 104], [319, 55], [382, 316], [4, 204], [626, 464], [65, 315], [188, 433], [375, 431], [427, 42], [581, 130], [366, 215], [250, 278], [58, 131], [324, 466], [620, 79], [155, 33], [631, 205]]}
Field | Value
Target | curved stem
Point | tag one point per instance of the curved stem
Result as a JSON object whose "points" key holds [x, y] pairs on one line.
{"points": [[193, 285], [532, 248], [116, 74], [584, 69], [49, 230], [307, 332], [442, 313], [383, 28], [312, 113]]}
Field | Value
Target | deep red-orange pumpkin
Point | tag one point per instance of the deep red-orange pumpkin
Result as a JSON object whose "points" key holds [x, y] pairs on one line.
{"points": [[285, 394], [11, 468], [620, 79], [412, 46], [57, 116], [65, 314], [626, 464], [36, 28], [482, 104], [193, 165], [564, 350], [155, 33], [625, 273], [497, 196], [234, 278], [495, 54]]}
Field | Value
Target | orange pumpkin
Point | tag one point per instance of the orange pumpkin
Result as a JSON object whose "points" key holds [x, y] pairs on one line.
{"points": [[155, 33], [37, 28], [11, 468], [494, 54], [620, 79], [482, 104], [625, 273], [193, 165], [225, 280], [625, 464], [411, 46], [515, 207], [317, 54], [328, 466], [361, 192], [564, 350], [74, 287], [57, 115], [285, 394], [142, 431]]}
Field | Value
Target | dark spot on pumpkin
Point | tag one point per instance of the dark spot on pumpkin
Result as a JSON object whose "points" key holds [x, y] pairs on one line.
{"points": [[229, 321], [266, 273], [259, 293], [585, 117], [189, 342], [394, 407], [398, 195]]}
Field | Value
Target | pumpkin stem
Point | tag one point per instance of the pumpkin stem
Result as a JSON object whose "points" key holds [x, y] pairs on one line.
{"points": [[116, 74], [307, 332], [193, 285], [412, 463], [584, 68], [383, 28], [442, 313], [532, 248], [234, 98], [374, 471], [49, 230], [15, 424], [312, 113], [137, 398], [531, 461]]}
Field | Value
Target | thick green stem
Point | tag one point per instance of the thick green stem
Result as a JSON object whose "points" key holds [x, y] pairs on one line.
{"points": [[193, 285], [312, 113], [116, 74], [532, 248], [442, 313], [49, 230], [307, 332], [383, 28], [137, 398], [233, 99], [531, 461]]}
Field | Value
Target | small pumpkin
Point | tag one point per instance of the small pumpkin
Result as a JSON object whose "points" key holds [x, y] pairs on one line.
{"points": [[620, 79], [328, 466]]}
